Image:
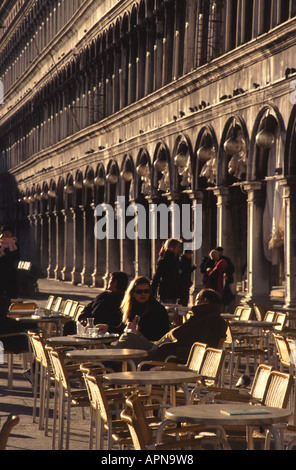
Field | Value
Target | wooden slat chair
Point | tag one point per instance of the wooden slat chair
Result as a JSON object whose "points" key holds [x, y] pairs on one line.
{"points": [[106, 404], [237, 350], [6, 429], [73, 309], [255, 395], [277, 395], [287, 363], [209, 374], [284, 328], [49, 303], [68, 379], [78, 311], [43, 380], [56, 307], [67, 307], [194, 363]]}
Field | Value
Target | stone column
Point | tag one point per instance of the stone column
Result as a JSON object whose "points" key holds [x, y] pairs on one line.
{"points": [[59, 245], [123, 74], [51, 244], [44, 239], [224, 216], [68, 245], [126, 243], [31, 239], [112, 250], [189, 39], [257, 264], [290, 243], [197, 198], [142, 244], [88, 245], [35, 239], [116, 79], [99, 260], [77, 246], [158, 52]]}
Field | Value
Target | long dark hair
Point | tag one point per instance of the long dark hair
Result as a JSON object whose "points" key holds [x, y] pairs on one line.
{"points": [[128, 300]]}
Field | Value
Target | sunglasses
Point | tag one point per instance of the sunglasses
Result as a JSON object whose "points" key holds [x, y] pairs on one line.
{"points": [[142, 291]]}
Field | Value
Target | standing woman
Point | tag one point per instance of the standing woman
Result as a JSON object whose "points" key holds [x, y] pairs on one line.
{"points": [[142, 314], [167, 278], [9, 257]]}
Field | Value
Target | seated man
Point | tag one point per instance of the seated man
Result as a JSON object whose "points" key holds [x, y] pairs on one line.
{"points": [[105, 308], [205, 326], [8, 326]]}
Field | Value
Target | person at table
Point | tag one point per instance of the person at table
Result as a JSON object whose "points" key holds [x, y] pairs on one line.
{"points": [[166, 280], [105, 308], [8, 326], [142, 315], [205, 326], [9, 257]]}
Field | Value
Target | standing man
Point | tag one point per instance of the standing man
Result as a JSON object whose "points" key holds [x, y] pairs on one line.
{"points": [[186, 270]]}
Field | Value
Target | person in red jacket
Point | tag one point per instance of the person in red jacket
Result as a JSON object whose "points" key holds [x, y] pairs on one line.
{"points": [[216, 276]]}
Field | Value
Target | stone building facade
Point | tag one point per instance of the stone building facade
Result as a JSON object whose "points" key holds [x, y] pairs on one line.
{"points": [[156, 102]]}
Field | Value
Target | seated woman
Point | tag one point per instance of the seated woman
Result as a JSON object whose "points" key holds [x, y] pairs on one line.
{"points": [[142, 314]]}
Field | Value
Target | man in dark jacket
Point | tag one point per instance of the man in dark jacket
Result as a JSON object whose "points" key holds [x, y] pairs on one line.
{"points": [[186, 270], [205, 326], [105, 308]]}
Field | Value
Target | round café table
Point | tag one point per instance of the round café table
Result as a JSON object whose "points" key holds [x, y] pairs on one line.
{"points": [[224, 414], [155, 377], [57, 319], [125, 356], [81, 341]]}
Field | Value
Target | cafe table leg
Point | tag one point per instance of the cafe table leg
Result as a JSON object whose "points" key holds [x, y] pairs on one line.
{"points": [[249, 438]]}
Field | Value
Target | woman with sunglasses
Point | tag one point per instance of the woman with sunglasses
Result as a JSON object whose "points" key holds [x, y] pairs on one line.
{"points": [[142, 314]]}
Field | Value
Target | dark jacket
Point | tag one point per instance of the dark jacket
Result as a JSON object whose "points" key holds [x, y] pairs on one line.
{"points": [[8, 273], [166, 277], [186, 270], [205, 326], [105, 308], [154, 320], [15, 344]]}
